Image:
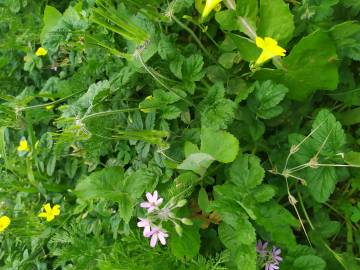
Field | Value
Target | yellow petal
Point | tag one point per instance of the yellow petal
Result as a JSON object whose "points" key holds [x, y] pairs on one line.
{"points": [[50, 217], [23, 146], [4, 223], [260, 42], [209, 6], [41, 51], [47, 208], [56, 210]]}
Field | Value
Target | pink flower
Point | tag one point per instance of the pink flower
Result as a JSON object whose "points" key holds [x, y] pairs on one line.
{"points": [[275, 255], [146, 224], [157, 234], [271, 266], [152, 201], [261, 248]]}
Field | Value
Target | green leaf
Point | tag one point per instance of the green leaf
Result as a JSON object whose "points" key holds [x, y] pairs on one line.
{"points": [[216, 111], [310, 66], [197, 162], [352, 158], [246, 171], [104, 184], [203, 200], [277, 221], [247, 48], [111, 184], [126, 205], [347, 36], [241, 242], [242, 233], [187, 245], [321, 182], [193, 68], [329, 130], [248, 9], [267, 97], [228, 20], [221, 145], [309, 262], [51, 18], [276, 21]]}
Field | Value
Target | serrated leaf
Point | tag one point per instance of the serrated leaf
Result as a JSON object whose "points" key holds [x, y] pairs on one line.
{"points": [[309, 262], [246, 171], [266, 99], [346, 36], [329, 130], [321, 182], [216, 111]]}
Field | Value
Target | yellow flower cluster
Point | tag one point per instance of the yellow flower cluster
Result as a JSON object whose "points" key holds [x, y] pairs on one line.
{"points": [[49, 213]]}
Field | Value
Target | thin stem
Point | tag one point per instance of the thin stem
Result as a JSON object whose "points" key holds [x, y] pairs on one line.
{"points": [[102, 114], [50, 103], [197, 40]]}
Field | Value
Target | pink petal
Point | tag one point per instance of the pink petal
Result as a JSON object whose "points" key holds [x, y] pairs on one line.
{"points": [[149, 197], [153, 240], [147, 231], [150, 209], [162, 239], [145, 205], [155, 196], [159, 201]]}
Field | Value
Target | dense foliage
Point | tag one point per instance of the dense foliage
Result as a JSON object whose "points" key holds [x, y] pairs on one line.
{"points": [[180, 134]]}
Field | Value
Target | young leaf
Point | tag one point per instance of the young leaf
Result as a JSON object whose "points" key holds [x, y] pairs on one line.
{"points": [[276, 21], [221, 145]]}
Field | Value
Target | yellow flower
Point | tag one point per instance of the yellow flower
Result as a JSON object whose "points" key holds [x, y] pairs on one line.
{"points": [[4, 223], [49, 212], [41, 52], [23, 146], [270, 49], [209, 6]]}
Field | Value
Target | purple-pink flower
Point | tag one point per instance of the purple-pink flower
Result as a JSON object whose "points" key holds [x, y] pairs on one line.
{"points": [[157, 234], [275, 255], [146, 224], [271, 266], [270, 258], [152, 201], [261, 248]]}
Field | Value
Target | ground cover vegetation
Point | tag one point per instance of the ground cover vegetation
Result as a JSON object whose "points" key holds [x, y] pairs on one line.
{"points": [[184, 134]]}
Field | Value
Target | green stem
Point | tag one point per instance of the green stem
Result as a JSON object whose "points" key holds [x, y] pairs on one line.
{"points": [[194, 37], [106, 113]]}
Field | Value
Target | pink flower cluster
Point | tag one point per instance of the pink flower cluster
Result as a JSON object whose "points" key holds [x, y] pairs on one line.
{"points": [[156, 233], [268, 258]]}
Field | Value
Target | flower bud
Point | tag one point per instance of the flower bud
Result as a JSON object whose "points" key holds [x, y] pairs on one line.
{"points": [[181, 203], [186, 221], [178, 229]]}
